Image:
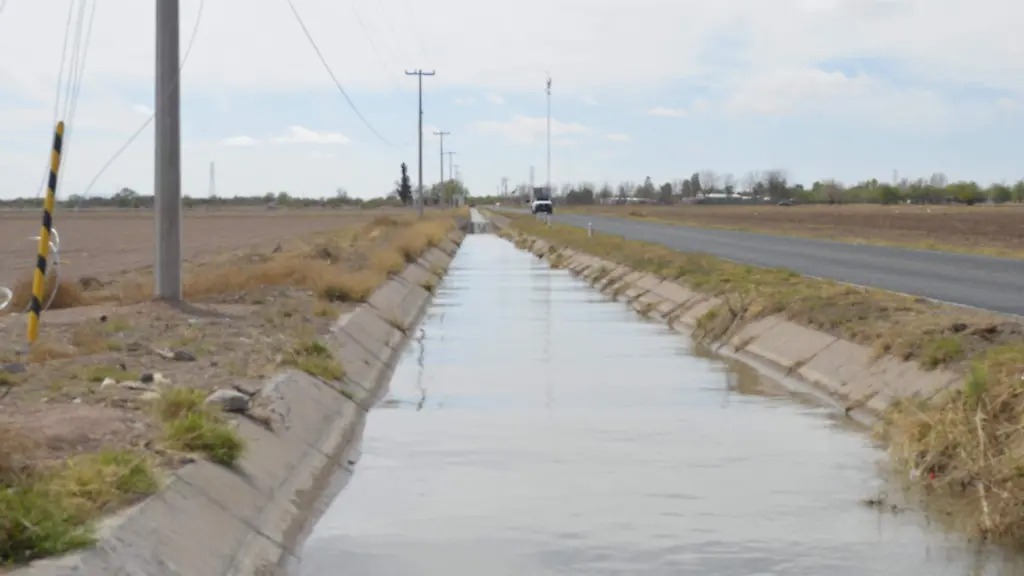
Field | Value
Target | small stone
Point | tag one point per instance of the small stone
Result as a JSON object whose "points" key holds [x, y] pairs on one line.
{"points": [[149, 396], [164, 353], [147, 378], [229, 400], [132, 385], [76, 401], [160, 380], [14, 368], [107, 383], [183, 356], [133, 346]]}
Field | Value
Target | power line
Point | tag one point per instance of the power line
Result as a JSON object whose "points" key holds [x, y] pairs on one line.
{"points": [[184, 59], [327, 66], [71, 107]]}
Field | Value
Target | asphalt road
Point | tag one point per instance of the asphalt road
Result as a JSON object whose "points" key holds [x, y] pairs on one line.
{"points": [[995, 284]]}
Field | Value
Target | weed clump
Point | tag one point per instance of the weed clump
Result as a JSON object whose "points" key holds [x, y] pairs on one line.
{"points": [[191, 426], [315, 359], [50, 511]]}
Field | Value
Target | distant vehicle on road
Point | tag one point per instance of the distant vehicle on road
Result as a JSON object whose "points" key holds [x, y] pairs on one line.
{"points": [[543, 206]]}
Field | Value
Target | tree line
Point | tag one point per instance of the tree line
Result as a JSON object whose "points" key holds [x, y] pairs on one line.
{"points": [[707, 186]]}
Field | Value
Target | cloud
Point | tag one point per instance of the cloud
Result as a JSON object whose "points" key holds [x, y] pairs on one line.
{"points": [[526, 129], [860, 98], [495, 99], [618, 137], [667, 112], [293, 135], [302, 135], [235, 141]]}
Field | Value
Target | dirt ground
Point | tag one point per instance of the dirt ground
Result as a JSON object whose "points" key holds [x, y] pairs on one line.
{"points": [[103, 242], [263, 289], [995, 230]]}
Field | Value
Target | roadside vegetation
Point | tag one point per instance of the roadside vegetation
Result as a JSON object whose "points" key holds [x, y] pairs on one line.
{"points": [[965, 445], [925, 213], [118, 391]]}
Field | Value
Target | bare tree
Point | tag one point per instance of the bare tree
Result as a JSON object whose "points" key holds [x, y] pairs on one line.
{"points": [[750, 180], [728, 184], [776, 184], [626, 189], [938, 180], [606, 193], [709, 181]]}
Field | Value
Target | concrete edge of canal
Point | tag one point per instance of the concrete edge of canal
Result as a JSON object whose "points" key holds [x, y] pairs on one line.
{"points": [[849, 375], [208, 520]]}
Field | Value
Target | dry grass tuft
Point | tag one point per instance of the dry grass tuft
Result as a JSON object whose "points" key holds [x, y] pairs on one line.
{"points": [[69, 294], [970, 445], [17, 451]]}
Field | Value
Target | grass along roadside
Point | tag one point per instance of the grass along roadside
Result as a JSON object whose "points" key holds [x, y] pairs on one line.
{"points": [[828, 223], [967, 444], [286, 298]]}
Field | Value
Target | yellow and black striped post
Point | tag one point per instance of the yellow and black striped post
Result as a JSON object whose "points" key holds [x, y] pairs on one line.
{"points": [[43, 252]]}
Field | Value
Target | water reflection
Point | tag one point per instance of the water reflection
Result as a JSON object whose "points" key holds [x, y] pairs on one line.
{"points": [[563, 435]]}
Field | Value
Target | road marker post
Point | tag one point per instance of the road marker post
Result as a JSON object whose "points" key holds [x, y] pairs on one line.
{"points": [[590, 229], [43, 251]]}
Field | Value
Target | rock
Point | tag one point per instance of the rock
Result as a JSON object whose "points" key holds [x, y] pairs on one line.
{"points": [[149, 396], [248, 387], [89, 283], [107, 382], [183, 356], [159, 379], [164, 353], [14, 368], [133, 346], [229, 400], [132, 385], [147, 378]]}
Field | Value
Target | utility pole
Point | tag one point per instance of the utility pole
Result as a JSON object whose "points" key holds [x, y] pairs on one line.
{"points": [[442, 134], [451, 154], [167, 189], [213, 180], [420, 74], [504, 186], [549, 137]]}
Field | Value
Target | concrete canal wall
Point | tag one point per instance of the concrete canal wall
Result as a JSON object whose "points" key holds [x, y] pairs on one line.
{"points": [[212, 521], [853, 376]]}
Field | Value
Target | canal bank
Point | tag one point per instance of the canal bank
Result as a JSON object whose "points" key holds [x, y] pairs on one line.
{"points": [[209, 520], [536, 426]]}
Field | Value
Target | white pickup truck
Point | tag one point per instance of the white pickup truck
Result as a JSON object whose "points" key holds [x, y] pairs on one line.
{"points": [[543, 206]]}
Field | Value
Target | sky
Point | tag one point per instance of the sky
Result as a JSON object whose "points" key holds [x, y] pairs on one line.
{"points": [[844, 89]]}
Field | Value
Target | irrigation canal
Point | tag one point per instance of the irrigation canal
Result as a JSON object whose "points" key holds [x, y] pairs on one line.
{"points": [[533, 427]]}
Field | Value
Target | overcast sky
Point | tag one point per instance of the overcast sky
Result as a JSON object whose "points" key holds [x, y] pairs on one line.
{"points": [[822, 88]]}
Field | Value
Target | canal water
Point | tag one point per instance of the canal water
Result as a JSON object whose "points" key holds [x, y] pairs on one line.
{"points": [[535, 428]]}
